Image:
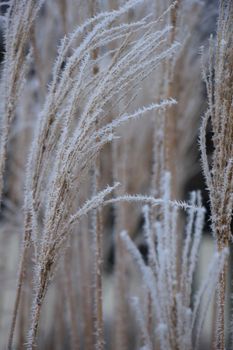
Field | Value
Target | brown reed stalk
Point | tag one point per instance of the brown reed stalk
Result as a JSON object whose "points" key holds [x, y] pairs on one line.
{"points": [[20, 281], [71, 302], [19, 22], [218, 174]]}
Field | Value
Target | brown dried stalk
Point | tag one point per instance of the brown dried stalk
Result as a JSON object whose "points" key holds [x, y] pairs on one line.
{"points": [[19, 22], [219, 175]]}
